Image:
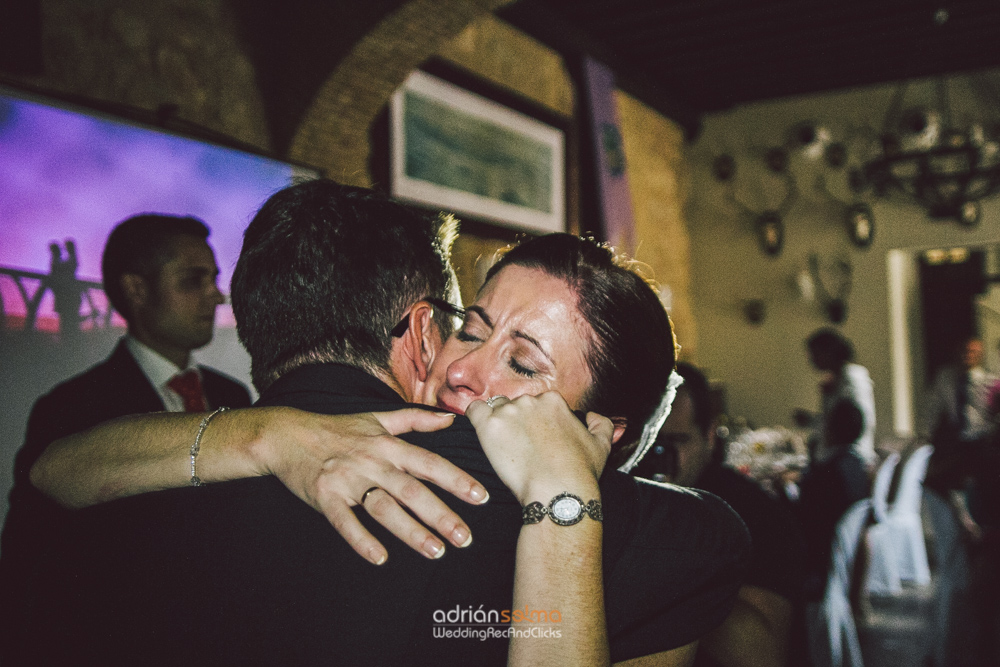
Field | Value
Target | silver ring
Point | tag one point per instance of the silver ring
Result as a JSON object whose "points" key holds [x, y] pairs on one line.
{"points": [[491, 401], [364, 496]]}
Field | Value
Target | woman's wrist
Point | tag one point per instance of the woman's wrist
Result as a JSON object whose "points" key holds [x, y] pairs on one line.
{"points": [[264, 438], [543, 491], [240, 443]]}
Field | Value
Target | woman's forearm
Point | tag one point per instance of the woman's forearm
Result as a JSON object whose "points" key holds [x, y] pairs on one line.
{"points": [[143, 453], [559, 583], [328, 461], [541, 450]]}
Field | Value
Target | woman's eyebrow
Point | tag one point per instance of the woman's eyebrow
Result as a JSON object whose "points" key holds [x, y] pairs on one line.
{"points": [[482, 315], [521, 334]]}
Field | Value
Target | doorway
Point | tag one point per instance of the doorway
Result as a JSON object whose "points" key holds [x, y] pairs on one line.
{"points": [[950, 283]]}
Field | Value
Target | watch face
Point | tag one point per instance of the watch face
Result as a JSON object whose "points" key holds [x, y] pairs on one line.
{"points": [[566, 509]]}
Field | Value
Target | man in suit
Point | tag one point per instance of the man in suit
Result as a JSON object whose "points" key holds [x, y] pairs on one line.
{"points": [[957, 410], [244, 573], [160, 274]]}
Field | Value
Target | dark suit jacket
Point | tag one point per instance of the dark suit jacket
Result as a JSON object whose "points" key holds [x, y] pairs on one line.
{"points": [[114, 388], [245, 573]]}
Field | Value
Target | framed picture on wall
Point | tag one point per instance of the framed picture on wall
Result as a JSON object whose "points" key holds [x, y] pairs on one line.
{"points": [[459, 151]]}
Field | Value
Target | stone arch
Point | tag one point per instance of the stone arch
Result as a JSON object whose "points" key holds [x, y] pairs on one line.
{"points": [[334, 132]]}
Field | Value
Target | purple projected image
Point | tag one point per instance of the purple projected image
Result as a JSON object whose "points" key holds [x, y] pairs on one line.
{"points": [[67, 177], [73, 176]]}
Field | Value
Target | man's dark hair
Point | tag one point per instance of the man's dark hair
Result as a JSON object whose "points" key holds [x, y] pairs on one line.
{"points": [[141, 245], [830, 345], [327, 271], [844, 423], [633, 350]]}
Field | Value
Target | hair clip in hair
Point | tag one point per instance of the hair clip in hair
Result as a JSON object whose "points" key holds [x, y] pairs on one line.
{"points": [[653, 425]]}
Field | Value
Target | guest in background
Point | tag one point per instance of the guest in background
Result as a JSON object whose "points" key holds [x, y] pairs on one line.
{"points": [[160, 274], [686, 453], [833, 355], [958, 421], [828, 489], [957, 410]]}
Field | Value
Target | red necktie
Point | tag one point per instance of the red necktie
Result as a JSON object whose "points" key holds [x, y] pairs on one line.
{"points": [[188, 387]]}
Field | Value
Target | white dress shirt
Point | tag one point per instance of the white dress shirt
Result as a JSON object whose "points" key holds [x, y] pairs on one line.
{"points": [[159, 371]]}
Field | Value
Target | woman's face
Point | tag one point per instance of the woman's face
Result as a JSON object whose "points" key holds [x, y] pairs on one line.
{"points": [[524, 335]]}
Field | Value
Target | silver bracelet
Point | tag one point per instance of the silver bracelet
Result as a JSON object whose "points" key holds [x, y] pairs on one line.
{"points": [[196, 447]]}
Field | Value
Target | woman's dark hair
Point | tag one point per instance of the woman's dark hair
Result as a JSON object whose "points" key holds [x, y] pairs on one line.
{"points": [[633, 348], [830, 346]]}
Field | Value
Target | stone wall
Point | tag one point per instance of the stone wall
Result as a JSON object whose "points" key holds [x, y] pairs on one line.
{"points": [[654, 153], [146, 54]]}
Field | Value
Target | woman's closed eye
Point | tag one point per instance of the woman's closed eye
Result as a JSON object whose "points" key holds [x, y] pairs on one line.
{"points": [[520, 369], [474, 329]]}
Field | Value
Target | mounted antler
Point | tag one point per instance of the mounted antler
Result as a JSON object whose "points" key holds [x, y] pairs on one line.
{"points": [[833, 297], [769, 224]]}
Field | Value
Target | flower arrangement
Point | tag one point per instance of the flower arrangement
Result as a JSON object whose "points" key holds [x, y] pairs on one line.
{"points": [[766, 453]]}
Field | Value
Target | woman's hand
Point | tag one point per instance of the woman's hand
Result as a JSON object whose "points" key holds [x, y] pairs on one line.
{"points": [[539, 448], [330, 462]]}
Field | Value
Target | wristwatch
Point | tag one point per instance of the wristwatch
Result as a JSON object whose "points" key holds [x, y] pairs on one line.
{"points": [[565, 510]]}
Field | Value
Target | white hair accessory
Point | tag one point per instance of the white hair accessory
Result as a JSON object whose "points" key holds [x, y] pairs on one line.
{"points": [[653, 425]]}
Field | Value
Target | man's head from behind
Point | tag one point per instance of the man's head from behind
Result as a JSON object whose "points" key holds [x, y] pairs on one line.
{"points": [[160, 275], [828, 350], [327, 271]]}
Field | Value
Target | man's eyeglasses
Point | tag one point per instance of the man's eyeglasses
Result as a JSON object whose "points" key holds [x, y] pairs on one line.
{"points": [[450, 308]]}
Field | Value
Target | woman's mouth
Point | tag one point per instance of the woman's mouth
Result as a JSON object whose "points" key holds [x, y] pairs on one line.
{"points": [[444, 404]]}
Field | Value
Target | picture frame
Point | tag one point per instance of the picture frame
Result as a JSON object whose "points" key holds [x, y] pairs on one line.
{"points": [[456, 150]]}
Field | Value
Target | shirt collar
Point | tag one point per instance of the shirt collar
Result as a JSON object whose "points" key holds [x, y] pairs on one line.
{"points": [[157, 368]]}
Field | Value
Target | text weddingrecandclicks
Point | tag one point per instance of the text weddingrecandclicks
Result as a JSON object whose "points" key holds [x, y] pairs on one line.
{"points": [[483, 624]]}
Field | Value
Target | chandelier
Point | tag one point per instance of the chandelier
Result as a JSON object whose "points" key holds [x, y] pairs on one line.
{"points": [[945, 168]]}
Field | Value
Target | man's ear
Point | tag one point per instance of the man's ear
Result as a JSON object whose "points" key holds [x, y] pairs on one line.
{"points": [[422, 339], [136, 290]]}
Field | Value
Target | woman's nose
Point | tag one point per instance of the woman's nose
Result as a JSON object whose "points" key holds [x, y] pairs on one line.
{"points": [[467, 374]]}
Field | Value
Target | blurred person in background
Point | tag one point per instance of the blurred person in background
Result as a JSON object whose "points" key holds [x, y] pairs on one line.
{"points": [[957, 409], [687, 453], [833, 355]]}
